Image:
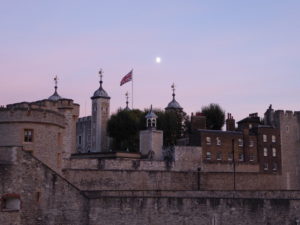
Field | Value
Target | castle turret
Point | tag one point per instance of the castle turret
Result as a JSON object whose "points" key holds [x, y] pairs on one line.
{"points": [[100, 115]]}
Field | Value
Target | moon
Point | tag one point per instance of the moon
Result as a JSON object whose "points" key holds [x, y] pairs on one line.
{"points": [[158, 60]]}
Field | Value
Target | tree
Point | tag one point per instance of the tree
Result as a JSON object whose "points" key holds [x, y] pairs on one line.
{"points": [[215, 116], [124, 127]]}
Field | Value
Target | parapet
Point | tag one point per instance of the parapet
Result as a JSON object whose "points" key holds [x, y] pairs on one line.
{"points": [[46, 104], [286, 113], [30, 115]]}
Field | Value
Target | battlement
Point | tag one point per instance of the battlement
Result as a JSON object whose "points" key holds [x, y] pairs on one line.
{"points": [[31, 115], [287, 113], [47, 104]]}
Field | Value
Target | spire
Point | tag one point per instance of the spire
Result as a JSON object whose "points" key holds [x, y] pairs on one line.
{"points": [[55, 96]]}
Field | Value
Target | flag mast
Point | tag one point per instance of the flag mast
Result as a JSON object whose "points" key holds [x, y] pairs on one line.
{"points": [[132, 91]]}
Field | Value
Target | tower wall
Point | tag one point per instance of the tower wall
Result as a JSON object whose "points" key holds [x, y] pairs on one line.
{"points": [[54, 129], [100, 115], [289, 124], [151, 140]]}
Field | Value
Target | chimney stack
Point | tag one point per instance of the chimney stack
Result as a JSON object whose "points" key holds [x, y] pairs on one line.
{"points": [[230, 123]]}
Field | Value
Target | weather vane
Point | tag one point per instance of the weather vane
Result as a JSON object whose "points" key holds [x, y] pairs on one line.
{"points": [[173, 88], [101, 74]]}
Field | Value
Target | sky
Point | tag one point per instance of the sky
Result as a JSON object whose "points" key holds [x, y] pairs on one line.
{"points": [[243, 55]]}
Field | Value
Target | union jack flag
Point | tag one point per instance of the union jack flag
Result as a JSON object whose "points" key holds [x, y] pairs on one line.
{"points": [[126, 78]]}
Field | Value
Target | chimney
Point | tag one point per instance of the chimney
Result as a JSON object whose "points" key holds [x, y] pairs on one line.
{"points": [[230, 123], [198, 121]]}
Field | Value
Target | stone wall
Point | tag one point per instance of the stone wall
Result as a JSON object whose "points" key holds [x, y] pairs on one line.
{"points": [[289, 123], [199, 208], [48, 131], [97, 179], [131, 180], [46, 198]]}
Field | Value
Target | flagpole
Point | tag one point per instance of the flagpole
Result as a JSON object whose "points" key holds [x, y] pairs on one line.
{"points": [[132, 91]]}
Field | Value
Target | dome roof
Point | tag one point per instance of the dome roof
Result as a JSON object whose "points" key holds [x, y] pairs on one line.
{"points": [[100, 93], [151, 114], [55, 97], [173, 105]]}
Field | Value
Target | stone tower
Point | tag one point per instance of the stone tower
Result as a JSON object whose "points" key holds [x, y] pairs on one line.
{"points": [[100, 115]]}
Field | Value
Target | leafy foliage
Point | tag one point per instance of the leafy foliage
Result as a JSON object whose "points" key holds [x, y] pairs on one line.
{"points": [[215, 116], [124, 127]]}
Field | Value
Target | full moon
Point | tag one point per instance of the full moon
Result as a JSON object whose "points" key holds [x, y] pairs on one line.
{"points": [[158, 59]]}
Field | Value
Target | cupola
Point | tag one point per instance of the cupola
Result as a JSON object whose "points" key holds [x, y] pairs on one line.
{"points": [[151, 118]]}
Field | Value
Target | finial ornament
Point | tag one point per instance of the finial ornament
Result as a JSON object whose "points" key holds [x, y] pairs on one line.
{"points": [[101, 76], [126, 94], [173, 89], [55, 82]]}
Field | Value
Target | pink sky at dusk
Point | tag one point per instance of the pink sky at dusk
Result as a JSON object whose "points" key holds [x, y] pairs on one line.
{"points": [[243, 56]]}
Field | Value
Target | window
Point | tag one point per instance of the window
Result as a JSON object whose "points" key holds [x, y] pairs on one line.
{"points": [[273, 138], [219, 156], [251, 143], [251, 157], [240, 142], [79, 139], [208, 156], [28, 135], [218, 140], [11, 202], [58, 160], [266, 166], [250, 126], [274, 166], [265, 152], [274, 153], [230, 156], [208, 140], [241, 157], [265, 138], [287, 129]]}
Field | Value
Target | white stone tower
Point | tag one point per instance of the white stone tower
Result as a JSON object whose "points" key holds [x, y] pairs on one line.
{"points": [[100, 115]]}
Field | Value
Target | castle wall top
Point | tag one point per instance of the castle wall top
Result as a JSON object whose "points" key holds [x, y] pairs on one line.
{"points": [[46, 104], [287, 113], [29, 115]]}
